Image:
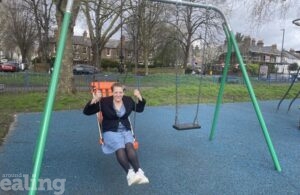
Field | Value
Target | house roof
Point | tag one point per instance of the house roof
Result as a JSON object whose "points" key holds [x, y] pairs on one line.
{"points": [[290, 55], [255, 49], [81, 40], [112, 44], [264, 49]]}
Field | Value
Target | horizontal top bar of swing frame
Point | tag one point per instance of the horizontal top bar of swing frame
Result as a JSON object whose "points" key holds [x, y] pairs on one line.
{"points": [[199, 5]]}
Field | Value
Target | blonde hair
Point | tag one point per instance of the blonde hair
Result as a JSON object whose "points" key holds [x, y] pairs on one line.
{"points": [[117, 84]]}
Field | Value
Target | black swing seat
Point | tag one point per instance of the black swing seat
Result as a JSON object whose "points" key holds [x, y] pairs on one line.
{"points": [[186, 126]]}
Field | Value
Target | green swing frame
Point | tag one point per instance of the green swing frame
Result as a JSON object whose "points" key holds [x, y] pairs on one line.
{"points": [[232, 43]]}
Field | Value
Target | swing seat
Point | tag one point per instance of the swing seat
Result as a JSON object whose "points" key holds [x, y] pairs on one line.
{"points": [[186, 126], [103, 86]]}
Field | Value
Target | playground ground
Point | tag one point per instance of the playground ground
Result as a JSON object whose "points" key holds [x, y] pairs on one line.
{"points": [[236, 161]]}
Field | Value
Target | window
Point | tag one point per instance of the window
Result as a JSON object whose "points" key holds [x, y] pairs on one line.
{"points": [[108, 52], [83, 49]]}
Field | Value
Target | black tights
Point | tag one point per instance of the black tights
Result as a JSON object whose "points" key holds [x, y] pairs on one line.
{"points": [[127, 156]]}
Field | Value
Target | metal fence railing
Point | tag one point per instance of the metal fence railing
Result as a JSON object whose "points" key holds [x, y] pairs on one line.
{"points": [[31, 81]]}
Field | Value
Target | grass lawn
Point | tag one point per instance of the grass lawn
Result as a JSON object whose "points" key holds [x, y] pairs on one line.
{"points": [[156, 91]]}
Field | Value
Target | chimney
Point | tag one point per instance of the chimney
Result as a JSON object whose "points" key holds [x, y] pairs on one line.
{"points": [[253, 42], [274, 47], [260, 43], [247, 41]]}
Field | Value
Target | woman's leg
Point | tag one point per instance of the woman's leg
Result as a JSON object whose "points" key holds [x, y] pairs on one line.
{"points": [[132, 156], [133, 159], [122, 159]]}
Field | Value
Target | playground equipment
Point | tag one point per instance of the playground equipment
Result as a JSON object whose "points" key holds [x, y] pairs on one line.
{"points": [[232, 44], [40, 146], [297, 23], [287, 92], [195, 124]]}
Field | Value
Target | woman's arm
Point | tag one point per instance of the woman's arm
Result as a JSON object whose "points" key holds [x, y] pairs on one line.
{"points": [[140, 105], [92, 107], [141, 101]]}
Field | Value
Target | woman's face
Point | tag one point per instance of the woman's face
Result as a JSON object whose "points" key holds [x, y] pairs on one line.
{"points": [[118, 93]]}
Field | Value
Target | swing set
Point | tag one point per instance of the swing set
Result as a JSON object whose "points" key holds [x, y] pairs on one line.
{"points": [[232, 45], [297, 23]]}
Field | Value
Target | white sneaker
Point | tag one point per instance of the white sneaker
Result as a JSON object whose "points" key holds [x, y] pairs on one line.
{"points": [[132, 177], [142, 178]]}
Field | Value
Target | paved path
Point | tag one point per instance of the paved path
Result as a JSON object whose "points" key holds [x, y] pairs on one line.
{"points": [[237, 161]]}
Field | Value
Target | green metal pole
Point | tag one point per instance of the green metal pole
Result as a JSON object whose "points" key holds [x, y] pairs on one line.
{"points": [[254, 102], [222, 85], [39, 151]]}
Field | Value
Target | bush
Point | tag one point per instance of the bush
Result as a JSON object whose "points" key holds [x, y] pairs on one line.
{"points": [[253, 69], [188, 70], [293, 67], [107, 63]]}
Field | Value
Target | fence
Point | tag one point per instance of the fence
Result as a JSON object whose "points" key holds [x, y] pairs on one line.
{"points": [[31, 81]]}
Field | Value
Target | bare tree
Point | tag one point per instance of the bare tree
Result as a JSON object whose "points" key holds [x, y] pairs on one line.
{"points": [[262, 11], [20, 31], [144, 28], [44, 19], [102, 17], [193, 25]]}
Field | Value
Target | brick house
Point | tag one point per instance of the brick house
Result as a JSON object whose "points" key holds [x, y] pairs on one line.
{"points": [[82, 51], [257, 53], [253, 52]]}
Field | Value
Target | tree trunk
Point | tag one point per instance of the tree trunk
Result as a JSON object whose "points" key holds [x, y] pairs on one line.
{"points": [[66, 82]]}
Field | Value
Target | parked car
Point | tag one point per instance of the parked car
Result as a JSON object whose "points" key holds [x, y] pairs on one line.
{"points": [[85, 69], [9, 66], [193, 70]]}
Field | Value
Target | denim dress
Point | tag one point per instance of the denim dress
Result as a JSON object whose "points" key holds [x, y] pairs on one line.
{"points": [[116, 140]]}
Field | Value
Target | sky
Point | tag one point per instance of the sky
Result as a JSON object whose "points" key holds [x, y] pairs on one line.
{"points": [[270, 32]]}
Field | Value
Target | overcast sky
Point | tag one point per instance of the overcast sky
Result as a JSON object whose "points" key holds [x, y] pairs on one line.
{"points": [[270, 32]]}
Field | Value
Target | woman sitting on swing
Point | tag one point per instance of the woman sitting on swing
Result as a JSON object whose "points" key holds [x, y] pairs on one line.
{"points": [[116, 128]]}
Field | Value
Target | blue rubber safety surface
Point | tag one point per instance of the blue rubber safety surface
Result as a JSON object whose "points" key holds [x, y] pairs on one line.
{"points": [[236, 161]]}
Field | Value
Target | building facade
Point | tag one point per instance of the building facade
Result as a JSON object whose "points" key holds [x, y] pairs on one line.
{"points": [[83, 53], [254, 52]]}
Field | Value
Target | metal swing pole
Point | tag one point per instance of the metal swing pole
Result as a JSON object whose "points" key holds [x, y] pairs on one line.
{"points": [[39, 150], [231, 39], [222, 85]]}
